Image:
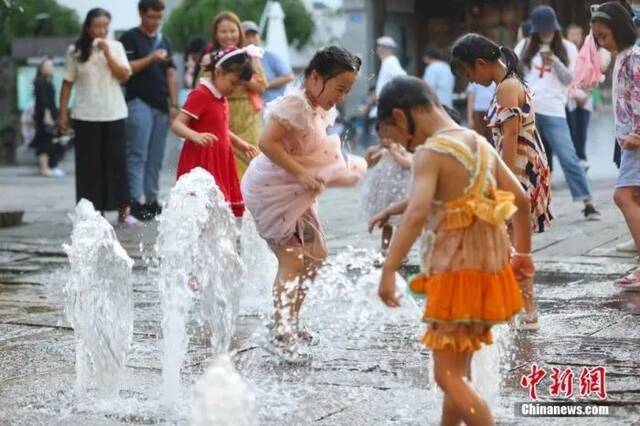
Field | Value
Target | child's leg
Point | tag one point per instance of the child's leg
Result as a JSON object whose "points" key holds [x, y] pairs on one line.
{"points": [[315, 255], [461, 400], [628, 201], [526, 290], [387, 233], [290, 271], [528, 298]]}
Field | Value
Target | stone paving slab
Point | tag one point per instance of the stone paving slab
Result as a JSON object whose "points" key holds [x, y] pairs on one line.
{"points": [[355, 379]]}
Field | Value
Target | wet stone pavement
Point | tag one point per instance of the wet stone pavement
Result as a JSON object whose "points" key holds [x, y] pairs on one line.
{"points": [[366, 369]]}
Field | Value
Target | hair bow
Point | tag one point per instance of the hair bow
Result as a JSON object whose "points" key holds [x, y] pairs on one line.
{"points": [[223, 55]]}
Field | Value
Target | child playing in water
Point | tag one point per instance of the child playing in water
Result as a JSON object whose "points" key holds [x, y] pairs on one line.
{"points": [[511, 119], [386, 183], [281, 186], [458, 203], [204, 123]]}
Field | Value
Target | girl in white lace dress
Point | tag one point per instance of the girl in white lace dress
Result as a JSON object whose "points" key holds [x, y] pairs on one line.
{"points": [[386, 182]]}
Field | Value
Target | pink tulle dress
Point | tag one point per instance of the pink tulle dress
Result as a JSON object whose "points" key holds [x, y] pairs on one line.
{"points": [[284, 212]]}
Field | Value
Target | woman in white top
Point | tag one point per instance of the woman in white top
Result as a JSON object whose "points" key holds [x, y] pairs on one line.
{"points": [[96, 67], [549, 61]]}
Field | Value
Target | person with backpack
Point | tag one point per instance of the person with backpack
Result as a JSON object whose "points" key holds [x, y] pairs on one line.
{"points": [[152, 100]]}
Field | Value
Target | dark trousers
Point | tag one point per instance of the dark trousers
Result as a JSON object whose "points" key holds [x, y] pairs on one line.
{"points": [[43, 144], [101, 167], [578, 121]]}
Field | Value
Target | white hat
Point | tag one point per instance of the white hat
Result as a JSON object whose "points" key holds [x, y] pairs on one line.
{"points": [[386, 41]]}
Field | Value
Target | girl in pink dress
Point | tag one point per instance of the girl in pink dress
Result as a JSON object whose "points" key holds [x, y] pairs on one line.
{"points": [[280, 188]]}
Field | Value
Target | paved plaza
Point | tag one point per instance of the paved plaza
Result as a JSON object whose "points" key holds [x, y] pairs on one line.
{"points": [[360, 375]]}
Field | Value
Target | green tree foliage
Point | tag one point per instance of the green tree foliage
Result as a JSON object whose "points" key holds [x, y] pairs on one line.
{"points": [[194, 17], [24, 18]]}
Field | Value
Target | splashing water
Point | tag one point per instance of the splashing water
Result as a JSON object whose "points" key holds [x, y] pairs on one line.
{"points": [[223, 398], [258, 280], [198, 263], [98, 302], [343, 301]]}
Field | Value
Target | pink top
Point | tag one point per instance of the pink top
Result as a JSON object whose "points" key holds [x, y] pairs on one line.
{"points": [[587, 71], [274, 197]]}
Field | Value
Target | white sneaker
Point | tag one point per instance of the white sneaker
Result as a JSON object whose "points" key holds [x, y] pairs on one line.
{"points": [[627, 247], [57, 172]]}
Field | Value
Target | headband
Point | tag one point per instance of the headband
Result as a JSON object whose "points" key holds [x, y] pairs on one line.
{"points": [[600, 14], [251, 50]]}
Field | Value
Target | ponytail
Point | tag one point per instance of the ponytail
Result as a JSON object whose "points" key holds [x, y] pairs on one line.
{"points": [[470, 47], [512, 63]]}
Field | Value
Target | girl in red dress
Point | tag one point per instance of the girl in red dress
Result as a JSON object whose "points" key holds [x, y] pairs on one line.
{"points": [[204, 124]]}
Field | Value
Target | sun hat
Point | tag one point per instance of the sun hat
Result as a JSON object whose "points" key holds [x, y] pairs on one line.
{"points": [[543, 18]]}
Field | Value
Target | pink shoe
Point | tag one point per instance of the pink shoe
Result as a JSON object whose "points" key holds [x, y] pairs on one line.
{"points": [[193, 283], [631, 280], [629, 277], [128, 222]]}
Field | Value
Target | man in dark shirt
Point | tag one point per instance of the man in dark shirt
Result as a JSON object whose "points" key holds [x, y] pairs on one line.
{"points": [[152, 99]]}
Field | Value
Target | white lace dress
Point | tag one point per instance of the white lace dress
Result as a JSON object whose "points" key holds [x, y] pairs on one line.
{"points": [[385, 183]]}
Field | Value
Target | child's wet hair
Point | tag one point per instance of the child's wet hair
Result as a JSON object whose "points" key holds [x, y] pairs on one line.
{"points": [[239, 64], [331, 61], [405, 92], [470, 47]]}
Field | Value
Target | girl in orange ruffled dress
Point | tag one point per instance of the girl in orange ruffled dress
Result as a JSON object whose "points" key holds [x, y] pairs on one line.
{"points": [[461, 196]]}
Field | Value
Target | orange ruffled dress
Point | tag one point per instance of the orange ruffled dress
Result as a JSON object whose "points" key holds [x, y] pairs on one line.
{"points": [[466, 275]]}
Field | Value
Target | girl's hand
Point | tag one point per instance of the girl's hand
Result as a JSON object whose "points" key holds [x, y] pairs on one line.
{"points": [[379, 220], [387, 289], [395, 148], [204, 138], [63, 119], [248, 150], [522, 266], [548, 60], [388, 143], [310, 182], [630, 141], [372, 155], [101, 44]]}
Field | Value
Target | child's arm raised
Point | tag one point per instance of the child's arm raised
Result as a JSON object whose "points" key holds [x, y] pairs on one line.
{"points": [[402, 157], [372, 155], [423, 188], [180, 127], [271, 146], [508, 96]]}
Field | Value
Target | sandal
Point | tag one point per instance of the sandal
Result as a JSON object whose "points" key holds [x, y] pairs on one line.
{"points": [[630, 285], [304, 336], [629, 278], [524, 323]]}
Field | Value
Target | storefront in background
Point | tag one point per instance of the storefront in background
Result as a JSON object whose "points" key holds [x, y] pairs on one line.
{"points": [[416, 23]]}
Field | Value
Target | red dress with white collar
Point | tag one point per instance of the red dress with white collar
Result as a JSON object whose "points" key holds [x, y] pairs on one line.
{"points": [[209, 111]]}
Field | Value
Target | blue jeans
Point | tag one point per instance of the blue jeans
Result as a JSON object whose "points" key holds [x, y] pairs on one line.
{"points": [[554, 131], [578, 120], [147, 130]]}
